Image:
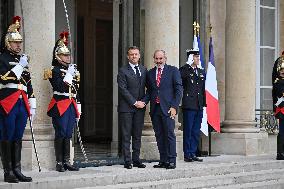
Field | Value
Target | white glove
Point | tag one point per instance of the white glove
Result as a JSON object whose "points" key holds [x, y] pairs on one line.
{"points": [[23, 60], [71, 69], [79, 108], [32, 102], [80, 111], [70, 74], [33, 112]]}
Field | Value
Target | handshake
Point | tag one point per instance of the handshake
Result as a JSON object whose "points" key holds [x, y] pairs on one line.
{"points": [[139, 104]]}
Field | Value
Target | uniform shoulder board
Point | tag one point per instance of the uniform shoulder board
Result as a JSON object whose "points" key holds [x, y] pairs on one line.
{"points": [[47, 73]]}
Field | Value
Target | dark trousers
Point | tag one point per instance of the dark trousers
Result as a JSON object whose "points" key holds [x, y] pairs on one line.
{"points": [[164, 128], [281, 127], [131, 126], [191, 131], [13, 125], [65, 124]]}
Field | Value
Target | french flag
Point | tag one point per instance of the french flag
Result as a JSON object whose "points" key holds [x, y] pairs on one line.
{"points": [[197, 44], [212, 109]]}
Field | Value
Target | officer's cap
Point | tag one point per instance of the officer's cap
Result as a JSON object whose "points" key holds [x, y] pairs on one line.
{"points": [[192, 51]]}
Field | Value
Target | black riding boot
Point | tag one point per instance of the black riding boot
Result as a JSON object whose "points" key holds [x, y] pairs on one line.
{"points": [[16, 161], [66, 157], [58, 146], [280, 147], [7, 162]]}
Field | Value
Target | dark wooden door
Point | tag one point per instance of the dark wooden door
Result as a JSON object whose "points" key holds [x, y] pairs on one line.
{"points": [[94, 28], [104, 78]]}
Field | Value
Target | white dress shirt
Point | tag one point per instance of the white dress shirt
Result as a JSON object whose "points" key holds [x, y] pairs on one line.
{"points": [[133, 68]]}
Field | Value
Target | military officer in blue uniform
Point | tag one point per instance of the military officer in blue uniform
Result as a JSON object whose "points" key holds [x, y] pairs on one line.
{"points": [[193, 101], [65, 107], [17, 102], [278, 102]]}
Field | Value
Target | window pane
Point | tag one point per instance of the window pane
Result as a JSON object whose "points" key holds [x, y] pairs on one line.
{"points": [[266, 99], [270, 3], [267, 27], [266, 65]]}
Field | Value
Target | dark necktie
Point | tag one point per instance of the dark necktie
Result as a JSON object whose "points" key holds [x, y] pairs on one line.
{"points": [[195, 71], [137, 71]]}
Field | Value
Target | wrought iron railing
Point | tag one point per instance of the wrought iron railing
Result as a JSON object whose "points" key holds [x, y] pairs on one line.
{"points": [[266, 120]]}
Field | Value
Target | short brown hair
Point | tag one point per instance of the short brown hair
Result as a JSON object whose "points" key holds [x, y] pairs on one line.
{"points": [[133, 48]]}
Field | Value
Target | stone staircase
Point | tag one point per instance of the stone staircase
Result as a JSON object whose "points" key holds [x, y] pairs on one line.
{"points": [[215, 172]]}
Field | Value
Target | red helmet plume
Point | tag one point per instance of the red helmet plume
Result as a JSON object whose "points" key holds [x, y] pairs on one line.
{"points": [[16, 18], [64, 35]]}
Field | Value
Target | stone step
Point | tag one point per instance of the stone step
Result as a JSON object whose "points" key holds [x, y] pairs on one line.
{"points": [[225, 181], [271, 184], [113, 175]]}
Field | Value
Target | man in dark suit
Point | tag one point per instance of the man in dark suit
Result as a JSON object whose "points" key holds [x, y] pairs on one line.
{"points": [[193, 101], [131, 80], [164, 91]]}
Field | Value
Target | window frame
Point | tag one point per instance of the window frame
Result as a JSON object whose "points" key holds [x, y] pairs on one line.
{"points": [[259, 47]]}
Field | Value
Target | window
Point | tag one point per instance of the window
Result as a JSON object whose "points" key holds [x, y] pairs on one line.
{"points": [[267, 50]]}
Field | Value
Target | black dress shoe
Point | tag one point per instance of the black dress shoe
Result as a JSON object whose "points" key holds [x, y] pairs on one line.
{"points": [[128, 166], [188, 159], [171, 166], [161, 165], [139, 165], [194, 158], [59, 167], [69, 167]]}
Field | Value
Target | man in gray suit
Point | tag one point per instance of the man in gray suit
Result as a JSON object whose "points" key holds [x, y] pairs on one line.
{"points": [[131, 80]]}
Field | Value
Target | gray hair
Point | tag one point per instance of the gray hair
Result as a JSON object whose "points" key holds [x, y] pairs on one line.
{"points": [[160, 50]]}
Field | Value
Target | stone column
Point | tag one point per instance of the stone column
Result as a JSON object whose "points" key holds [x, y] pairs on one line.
{"points": [[39, 32], [239, 134], [161, 32], [115, 129], [281, 27]]}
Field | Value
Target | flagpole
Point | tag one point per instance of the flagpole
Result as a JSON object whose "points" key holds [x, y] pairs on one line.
{"points": [[209, 153], [209, 128]]}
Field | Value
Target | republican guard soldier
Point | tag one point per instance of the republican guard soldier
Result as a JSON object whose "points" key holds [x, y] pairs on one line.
{"points": [[278, 102], [64, 108], [193, 101], [17, 102]]}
